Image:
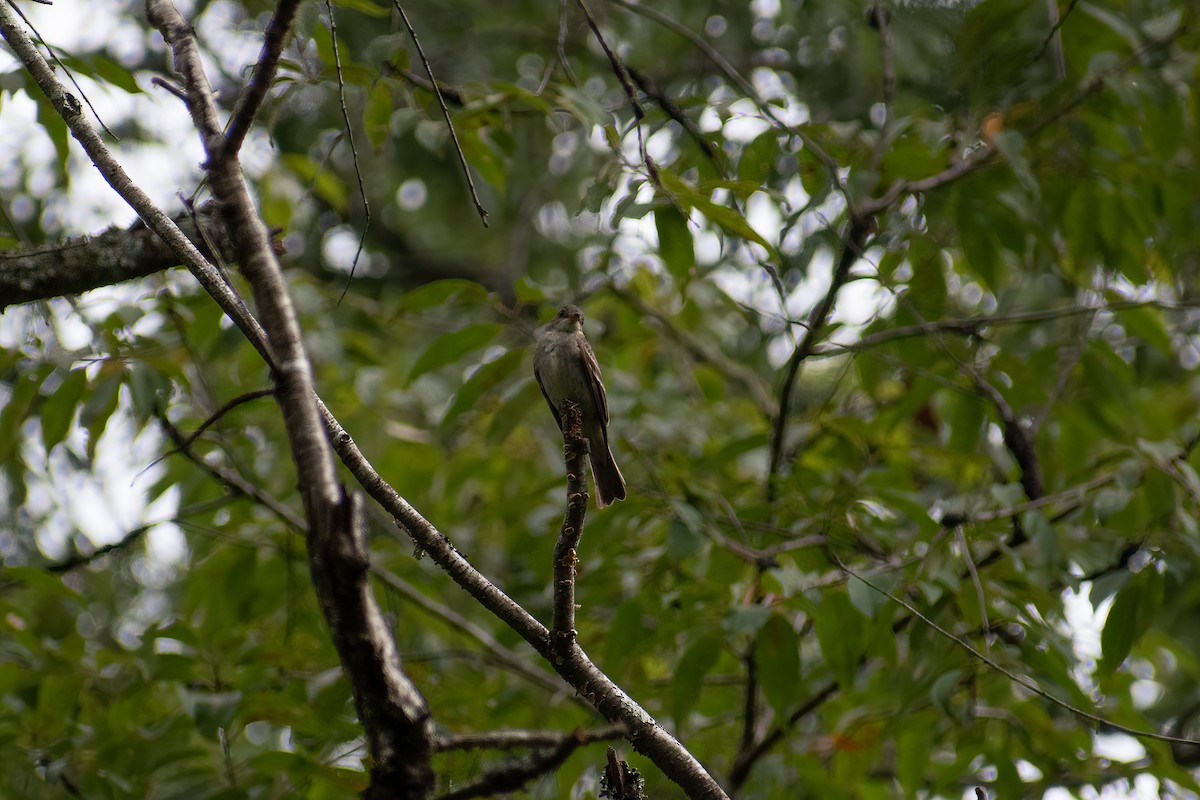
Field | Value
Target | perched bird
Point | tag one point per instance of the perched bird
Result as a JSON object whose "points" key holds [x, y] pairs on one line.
{"points": [[566, 369]]}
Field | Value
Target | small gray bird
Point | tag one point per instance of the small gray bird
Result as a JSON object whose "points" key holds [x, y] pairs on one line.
{"points": [[566, 369]]}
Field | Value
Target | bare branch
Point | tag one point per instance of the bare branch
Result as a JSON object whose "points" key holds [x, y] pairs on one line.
{"points": [[575, 448], [515, 740], [511, 777], [362, 189], [263, 76], [645, 735], [851, 251], [69, 109], [80, 560], [394, 716], [437, 92], [90, 262]]}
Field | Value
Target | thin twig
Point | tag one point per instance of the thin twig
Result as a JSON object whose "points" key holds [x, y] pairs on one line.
{"points": [[1074, 493], [974, 326], [983, 614], [80, 560], [263, 76], [70, 75], [208, 423], [462, 158], [622, 74], [1059, 21], [714, 154], [560, 49], [362, 190], [1015, 678], [163, 83]]}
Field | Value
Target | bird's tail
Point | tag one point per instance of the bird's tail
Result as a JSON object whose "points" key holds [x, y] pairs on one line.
{"points": [[610, 485]]}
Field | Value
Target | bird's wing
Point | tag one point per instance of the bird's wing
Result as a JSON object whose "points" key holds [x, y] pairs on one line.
{"points": [[594, 379], [538, 377]]}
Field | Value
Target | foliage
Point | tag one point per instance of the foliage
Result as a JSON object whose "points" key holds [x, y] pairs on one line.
{"points": [[1052, 284]]}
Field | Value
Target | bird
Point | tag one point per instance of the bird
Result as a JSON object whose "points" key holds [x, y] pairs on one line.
{"points": [[566, 370]]}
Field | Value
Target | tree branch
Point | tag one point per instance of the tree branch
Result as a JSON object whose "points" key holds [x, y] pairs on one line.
{"points": [[566, 556], [393, 713], [514, 740], [89, 262], [645, 735], [67, 107], [1020, 679], [512, 777], [263, 76], [860, 227], [975, 326]]}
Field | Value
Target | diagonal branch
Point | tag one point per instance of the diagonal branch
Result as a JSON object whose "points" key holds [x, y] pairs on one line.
{"points": [[512, 777], [262, 77], [599, 690], [392, 711], [1020, 680], [851, 251]]}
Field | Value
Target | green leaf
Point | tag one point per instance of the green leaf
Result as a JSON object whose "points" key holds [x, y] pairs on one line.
{"points": [[102, 68], [967, 423], [777, 654], [515, 409], [683, 541], [697, 661], [377, 115], [675, 243], [1012, 146], [365, 7], [1133, 611], [12, 416], [52, 123], [452, 346], [59, 408], [627, 635], [839, 629], [100, 406], [866, 599], [1146, 323], [912, 757], [486, 378], [148, 389], [745, 620], [484, 157], [440, 293], [758, 157], [730, 221], [943, 690], [325, 182]]}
